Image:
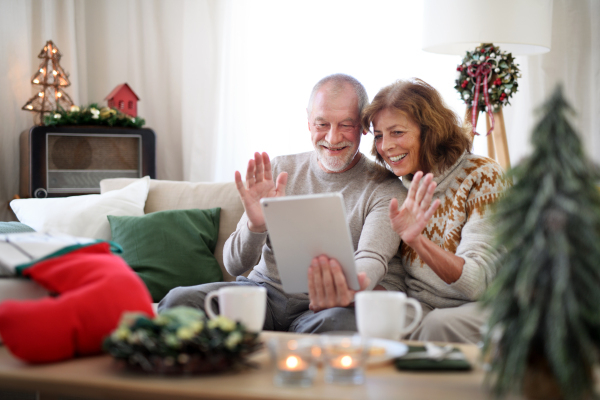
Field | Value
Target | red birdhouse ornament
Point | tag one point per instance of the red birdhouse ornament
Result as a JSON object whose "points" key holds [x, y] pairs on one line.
{"points": [[123, 99]]}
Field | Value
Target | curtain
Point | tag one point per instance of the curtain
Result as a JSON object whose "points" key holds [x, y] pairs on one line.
{"points": [[104, 43], [574, 63], [220, 79]]}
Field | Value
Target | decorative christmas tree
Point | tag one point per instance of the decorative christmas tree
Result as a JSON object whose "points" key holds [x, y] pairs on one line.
{"points": [[545, 301], [52, 79]]}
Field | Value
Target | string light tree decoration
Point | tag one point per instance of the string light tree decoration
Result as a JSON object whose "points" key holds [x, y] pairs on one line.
{"points": [[489, 34], [52, 79]]}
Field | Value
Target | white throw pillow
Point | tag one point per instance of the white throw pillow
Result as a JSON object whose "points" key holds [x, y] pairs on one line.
{"points": [[83, 216]]}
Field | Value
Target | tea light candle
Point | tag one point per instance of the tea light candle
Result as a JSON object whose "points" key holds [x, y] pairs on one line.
{"points": [[345, 369], [293, 363], [345, 356], [344, 362]]}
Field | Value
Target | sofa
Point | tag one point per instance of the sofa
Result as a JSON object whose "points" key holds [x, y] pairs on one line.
{"points": [[162, 195]]}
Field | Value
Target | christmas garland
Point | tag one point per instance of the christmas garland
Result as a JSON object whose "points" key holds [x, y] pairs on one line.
{"points": [[180, 340], [93, 115], [497, 70]]}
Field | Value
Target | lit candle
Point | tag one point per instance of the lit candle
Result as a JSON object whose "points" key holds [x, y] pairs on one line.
{"points": [[293, 363], [344, 362], [344, 357]]}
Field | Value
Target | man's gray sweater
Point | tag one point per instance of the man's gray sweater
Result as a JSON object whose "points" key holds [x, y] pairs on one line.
{"points": [[367, 204]]}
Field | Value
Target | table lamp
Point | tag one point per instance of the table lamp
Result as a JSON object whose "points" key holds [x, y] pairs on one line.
{"points": [[520, 27]]}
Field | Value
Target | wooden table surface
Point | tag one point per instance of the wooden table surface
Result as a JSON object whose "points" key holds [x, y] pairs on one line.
{"points": [[99, 378]]}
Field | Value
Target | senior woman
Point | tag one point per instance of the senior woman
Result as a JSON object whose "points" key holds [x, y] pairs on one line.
{"points": [[446, 253]]}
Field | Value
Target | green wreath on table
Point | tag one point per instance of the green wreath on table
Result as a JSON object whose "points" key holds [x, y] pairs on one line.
{"points": [[180, 340], [500, 79], [92, 115]]}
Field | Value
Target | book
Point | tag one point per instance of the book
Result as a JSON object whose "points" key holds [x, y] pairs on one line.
{"points": [[20, 250]]}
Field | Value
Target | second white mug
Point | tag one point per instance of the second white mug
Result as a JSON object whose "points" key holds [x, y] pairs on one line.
{"points": [[246, 304], [382, 314]]}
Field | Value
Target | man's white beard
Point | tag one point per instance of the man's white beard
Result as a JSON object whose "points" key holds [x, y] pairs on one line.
{"points": [[335, 163]]}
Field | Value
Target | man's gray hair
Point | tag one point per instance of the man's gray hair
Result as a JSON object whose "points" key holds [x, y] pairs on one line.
{"points": [[338, 81]]}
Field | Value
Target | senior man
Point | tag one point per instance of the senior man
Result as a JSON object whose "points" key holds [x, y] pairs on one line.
{"points": [[336, 165]]}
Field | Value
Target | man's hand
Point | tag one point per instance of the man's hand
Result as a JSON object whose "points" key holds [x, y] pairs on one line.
{"points": [[259, 181], [327, 286], [416, 211]]}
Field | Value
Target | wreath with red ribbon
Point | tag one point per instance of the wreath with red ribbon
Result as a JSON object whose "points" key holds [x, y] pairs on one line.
{"points": [[487, 78]]}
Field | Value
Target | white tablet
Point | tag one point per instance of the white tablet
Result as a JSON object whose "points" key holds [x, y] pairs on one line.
{"points": [[304, 227]]}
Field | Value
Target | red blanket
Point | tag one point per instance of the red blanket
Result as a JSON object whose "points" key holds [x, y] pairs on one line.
{"points": [[93, 286]]}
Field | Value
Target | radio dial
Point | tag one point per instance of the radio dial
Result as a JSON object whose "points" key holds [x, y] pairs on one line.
{"points": [[40, 193]]}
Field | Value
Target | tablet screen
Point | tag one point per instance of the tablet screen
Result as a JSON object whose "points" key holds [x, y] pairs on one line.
{"points": [[304, 227]]}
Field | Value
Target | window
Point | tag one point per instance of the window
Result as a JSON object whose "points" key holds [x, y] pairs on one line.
{"points": [[304, 56], [121, 104], [268, 78]]}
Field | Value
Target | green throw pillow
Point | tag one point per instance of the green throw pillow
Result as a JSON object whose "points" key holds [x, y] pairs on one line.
{"points": [[171, 248]]}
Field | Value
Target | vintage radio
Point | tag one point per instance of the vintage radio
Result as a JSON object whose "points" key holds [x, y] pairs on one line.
{"points": [[65, 161]]}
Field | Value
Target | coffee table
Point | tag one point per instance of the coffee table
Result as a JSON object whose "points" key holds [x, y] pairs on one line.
{"points": [[99, 378]]}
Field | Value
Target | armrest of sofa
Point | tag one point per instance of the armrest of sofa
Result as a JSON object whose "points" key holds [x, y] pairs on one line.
{"points": [[177, 195]]}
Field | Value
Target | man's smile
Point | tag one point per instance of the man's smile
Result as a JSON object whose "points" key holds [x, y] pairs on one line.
{"points": [[334, 148]]}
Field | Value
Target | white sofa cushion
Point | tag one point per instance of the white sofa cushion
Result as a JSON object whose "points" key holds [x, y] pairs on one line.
{"points": [[83, 216]]}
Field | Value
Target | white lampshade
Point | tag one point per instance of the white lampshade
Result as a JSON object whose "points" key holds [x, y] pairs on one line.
{"points": [[521, 27]]}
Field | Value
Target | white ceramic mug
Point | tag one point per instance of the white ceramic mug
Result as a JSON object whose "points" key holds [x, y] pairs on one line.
{"points": [[246, 304], [382, 314]]}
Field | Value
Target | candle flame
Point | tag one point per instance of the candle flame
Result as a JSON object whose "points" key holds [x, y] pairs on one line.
{"points": [[346, 361], [292, 362]]}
